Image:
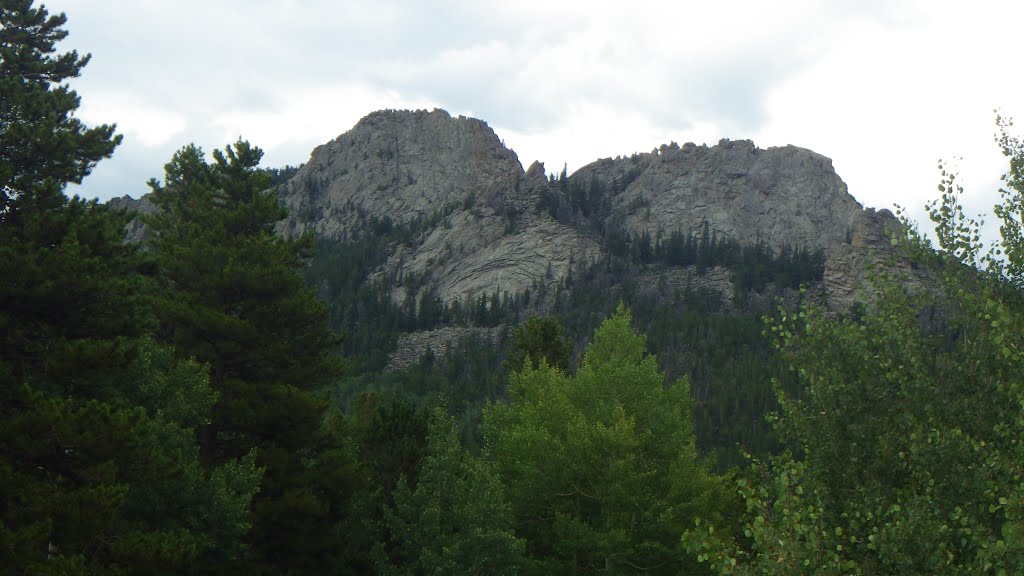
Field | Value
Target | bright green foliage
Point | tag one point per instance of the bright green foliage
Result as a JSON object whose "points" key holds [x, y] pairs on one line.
{"points": [[911, 422], [177, 398], [783, 533], [694, 332], [601, 467], [456, 520], [233, 297], [535, 339]]}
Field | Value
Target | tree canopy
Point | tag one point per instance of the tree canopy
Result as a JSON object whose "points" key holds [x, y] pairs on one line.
{"points": [[910, 422], [42, 145], [601, 467], [176, 406], [232, 296], [98, 463]]}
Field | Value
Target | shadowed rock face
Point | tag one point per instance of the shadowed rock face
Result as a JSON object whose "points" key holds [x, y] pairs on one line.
{"points": [[136, 230]]}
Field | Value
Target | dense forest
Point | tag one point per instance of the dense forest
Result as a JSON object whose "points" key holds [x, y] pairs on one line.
{"points": [[215, 400], [713, 338]]}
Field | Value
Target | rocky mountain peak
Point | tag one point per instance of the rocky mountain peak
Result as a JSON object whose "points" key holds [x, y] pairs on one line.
{"points": [[536, 169], [467, 194], [486, 225], [781, 195], [400, 164]]}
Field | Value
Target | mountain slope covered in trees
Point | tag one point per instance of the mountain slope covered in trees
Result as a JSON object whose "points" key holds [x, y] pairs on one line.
{"points": [[434, 243]]}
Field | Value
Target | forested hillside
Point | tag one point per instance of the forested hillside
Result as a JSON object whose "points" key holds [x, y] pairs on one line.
{"points": [[434, 244], [705, 329], [224, 391]]}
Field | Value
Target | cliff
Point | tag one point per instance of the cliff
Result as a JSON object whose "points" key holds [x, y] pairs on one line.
{"points": [[422, 166], [474, 223], [493, 226]]}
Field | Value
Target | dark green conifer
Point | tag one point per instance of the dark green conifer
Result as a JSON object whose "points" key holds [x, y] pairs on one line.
{"points": [[98, 467], [232, 296]]}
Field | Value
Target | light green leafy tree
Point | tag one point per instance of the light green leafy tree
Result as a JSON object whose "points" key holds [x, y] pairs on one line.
{"points": [[457, 519], [911, 420], [601, 467]]}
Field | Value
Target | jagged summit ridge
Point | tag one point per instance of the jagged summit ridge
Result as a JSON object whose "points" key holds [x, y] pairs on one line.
{"points": [[400, 164], [484, 234], [489, 225], [780, 195]]}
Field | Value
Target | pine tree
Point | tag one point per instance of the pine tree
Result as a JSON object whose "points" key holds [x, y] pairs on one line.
{"points": [[98, 464], [55, 253], [232, 296], [42, 145], [536, 339]]}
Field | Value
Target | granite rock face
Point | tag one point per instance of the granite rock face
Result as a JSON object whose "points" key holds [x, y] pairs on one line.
{"points": [[404, 165], [780, 196], [413, 345], [483, 224], [784, 195], [136, 230], [453, 173], [845, 275]]}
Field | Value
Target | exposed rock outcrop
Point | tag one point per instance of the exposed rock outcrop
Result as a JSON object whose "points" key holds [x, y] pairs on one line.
{"points": [[136, 230], [784, 195], [412, 346], [482, 224], [845, 266], [409, 166]]}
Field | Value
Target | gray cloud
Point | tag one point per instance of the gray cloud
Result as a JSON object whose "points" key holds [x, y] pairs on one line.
{"points": [[842, 77]]}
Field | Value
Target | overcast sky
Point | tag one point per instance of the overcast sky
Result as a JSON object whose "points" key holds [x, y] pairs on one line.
{"points": [[884, 88]]}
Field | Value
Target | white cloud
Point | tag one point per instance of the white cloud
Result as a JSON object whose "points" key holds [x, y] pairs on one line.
{"points": [[307, 115], [888, 99], [883, 87], [152, 126], [592, 130]]}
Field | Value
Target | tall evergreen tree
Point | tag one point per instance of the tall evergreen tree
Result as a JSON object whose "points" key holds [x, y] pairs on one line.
{"points": [[98, 465], [46, 240], [233, 297], [42, 145], [456, 520], [538, 338]]}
